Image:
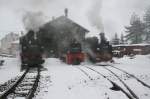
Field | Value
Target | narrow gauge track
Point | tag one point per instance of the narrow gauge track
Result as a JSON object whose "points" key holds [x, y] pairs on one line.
{"points": [[129, 89], [115, 85], [25, 86], [131, 75]]}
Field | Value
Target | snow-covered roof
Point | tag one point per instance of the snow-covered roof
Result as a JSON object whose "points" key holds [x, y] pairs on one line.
{"points": [[62, 20]]}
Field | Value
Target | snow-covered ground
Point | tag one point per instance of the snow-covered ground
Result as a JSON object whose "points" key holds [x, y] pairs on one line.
{"points": [[10, 69], [62, 81], [69, 82]]}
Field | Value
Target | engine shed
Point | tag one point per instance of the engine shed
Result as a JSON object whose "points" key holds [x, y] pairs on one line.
{"points": [[57, 34]]}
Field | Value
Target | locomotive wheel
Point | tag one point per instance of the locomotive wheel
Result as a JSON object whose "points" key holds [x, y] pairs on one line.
{"points": [[23, 66]]}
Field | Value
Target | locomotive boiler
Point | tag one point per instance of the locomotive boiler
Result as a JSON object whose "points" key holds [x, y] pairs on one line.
{"points": [[100, 51], [31, 50]]}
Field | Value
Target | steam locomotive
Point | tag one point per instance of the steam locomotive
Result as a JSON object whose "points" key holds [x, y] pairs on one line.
{"points": [[100, 51], [97, 51], [74, 54], [31, 50]]}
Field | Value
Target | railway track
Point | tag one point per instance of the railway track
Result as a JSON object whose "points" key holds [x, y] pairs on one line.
{"points": [[131, 75], [115, 87], [131, 82], [128, 88], [25, 86]]}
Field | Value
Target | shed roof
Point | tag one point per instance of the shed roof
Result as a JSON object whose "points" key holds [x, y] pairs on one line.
{"points": [[63, 20]]}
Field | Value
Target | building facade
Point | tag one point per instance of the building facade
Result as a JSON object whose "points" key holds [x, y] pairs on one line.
{"points": [[57, 34], [6, 42]]}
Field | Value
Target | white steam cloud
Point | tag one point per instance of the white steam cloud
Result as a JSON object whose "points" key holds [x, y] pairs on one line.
{"points": [[33, 20], [115, 14], [94, 16]]}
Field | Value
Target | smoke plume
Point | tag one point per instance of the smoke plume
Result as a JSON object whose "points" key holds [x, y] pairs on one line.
{"points": [[33, 20], [94, 16]]}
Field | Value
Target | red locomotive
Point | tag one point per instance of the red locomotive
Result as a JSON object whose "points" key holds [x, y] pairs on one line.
{"points": [[74, 55]]}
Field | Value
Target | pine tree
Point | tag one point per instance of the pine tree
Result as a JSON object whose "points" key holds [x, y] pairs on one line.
{"points": [[116, 40], [147, 24], [135, 30], [122, 39]]}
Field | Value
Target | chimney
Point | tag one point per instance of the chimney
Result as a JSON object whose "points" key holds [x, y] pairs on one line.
{"points": [[66, 12]]}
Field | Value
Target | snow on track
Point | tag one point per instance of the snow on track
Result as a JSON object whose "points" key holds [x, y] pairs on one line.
{"points": [[67, 83], [10, 69], [25, 86], [104, 82], [143, 93], [62, 81], [131, 75]]}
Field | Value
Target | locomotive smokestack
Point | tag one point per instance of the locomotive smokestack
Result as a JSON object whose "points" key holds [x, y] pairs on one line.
{"points": [[66, 12], [102, 37]]}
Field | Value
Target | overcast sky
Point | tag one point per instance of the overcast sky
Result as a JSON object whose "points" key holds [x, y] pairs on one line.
{"points": [[111, 15]]}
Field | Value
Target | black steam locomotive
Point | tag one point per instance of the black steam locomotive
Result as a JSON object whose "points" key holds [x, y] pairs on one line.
{"points": [[99, 51], [31, 50]]}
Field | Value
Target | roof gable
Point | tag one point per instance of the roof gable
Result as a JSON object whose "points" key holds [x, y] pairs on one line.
{"points": [[62, 21]]}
